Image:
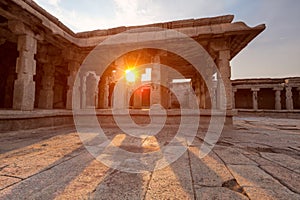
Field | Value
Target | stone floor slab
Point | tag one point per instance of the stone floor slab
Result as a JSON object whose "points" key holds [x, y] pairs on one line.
{"points": [[218, 193], [208, 171], [172, 182], [283, 160]]}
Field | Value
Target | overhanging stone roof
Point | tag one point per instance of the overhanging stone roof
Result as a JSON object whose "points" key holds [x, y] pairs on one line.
{"points": [[48, 26]]}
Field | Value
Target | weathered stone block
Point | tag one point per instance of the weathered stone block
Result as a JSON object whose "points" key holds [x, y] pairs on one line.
{"points": [[26, 65], [24, 93], [46, 99]]}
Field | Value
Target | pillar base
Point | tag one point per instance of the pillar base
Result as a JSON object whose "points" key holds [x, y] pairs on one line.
{"points": [[24, 93], [46, 99]]}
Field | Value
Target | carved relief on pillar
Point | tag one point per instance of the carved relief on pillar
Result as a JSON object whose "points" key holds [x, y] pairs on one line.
{"points": [[24, 86], [255, 98], [289, 98], [278, 97]]}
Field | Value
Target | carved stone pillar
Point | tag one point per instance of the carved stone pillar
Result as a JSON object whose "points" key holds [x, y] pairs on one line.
{"points": [[169, 99], [278, 97], [156, 78], [225, 73], [73, 67], [24, 86], [234, 90], [203, 94], [254, 98], [289, 98], [90, 90], [46, 93], [105, 92]]}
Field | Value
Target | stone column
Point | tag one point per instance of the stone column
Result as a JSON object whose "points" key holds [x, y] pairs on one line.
{"points": [[46, 93], [254, 98], [203, 95], [105, 92], [169, 99], [24, 86], [155, 77], [197, 88], [278, 98], [234, 90], [225, 73], [73, 67], [289, 98]]}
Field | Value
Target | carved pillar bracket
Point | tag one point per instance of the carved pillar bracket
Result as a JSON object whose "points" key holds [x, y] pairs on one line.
{"points": [[254, 98], [24, 86]]}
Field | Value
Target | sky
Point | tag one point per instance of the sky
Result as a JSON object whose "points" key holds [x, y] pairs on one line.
{"points": [[275, 53]]}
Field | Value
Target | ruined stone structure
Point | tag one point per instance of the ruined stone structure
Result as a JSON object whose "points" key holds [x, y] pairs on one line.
{"points": [[40, 57], [281, 95]]}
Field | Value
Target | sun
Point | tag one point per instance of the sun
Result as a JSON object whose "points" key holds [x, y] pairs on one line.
{"points": [[130, 75]]}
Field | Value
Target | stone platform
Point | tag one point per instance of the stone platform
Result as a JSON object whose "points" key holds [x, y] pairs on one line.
{"points": [[11, 120], [257, 159]]}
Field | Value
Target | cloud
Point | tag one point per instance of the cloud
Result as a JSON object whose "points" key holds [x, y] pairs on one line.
{"points": [[276, 47]]}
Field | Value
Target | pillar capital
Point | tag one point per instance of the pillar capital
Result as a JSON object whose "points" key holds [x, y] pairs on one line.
{"points": [[255, 89], [278, 88], [71, 54], [220, 45], [18, 27]]}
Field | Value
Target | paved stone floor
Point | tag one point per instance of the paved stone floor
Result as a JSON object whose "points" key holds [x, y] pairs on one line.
{"points": [[258, 159]]}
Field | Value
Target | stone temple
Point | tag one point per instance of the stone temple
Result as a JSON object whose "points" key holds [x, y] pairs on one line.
{"points": [[161, 93], [40, 58]]}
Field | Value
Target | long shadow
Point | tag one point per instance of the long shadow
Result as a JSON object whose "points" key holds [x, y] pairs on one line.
{"points": [[19, 139], [52, 180], [123, 185]]}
